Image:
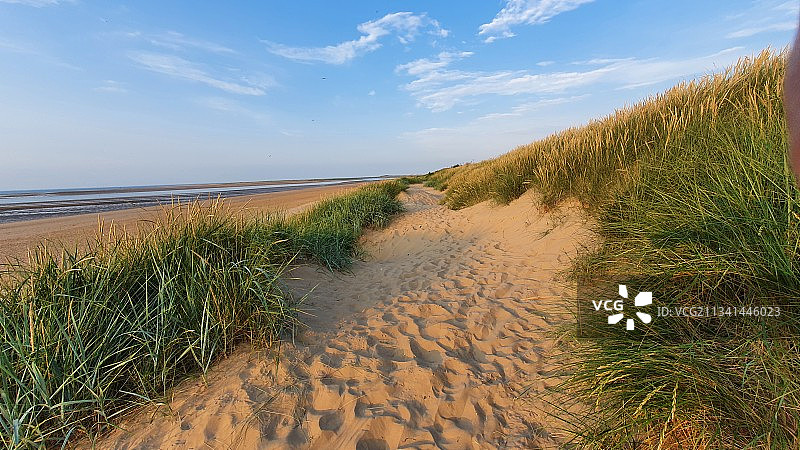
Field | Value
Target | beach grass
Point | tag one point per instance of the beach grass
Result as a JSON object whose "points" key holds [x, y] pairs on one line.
{"points": [[438, 179], [89, 335], [413, 179], [329, 232], [696, 202]]}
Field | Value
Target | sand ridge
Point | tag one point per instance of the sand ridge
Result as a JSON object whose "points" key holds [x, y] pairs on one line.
{"points": [[445, 336]]}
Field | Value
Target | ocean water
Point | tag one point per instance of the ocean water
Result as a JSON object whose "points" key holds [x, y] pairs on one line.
{"points": [[37, 204]]}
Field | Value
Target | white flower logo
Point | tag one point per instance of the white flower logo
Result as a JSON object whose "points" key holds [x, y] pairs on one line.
{"points": [[641, 299]]}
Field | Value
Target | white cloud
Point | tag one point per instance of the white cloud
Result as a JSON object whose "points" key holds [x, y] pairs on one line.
{"points": [[545, 63], [13, 47], [405, 25], [633, 73], [28, 50], [600, 61], [440, 90], [436, 92], [764, 16], [528, 12], [527, 107], [751, 31], [178, 41], [478, 138], [180, 68], [371, 93], [424, 65], [230, 106], [791, 7], [37, 3], [111, 86]]}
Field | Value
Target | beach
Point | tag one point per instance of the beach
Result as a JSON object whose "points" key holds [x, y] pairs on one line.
{"points": [[21, 205], [446, 333], [17, 237]]}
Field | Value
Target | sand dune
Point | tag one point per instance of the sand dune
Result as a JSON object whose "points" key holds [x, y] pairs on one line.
{"points": [[445, 336]]}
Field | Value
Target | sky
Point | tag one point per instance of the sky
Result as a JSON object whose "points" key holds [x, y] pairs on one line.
{"points": [[153, 92]]}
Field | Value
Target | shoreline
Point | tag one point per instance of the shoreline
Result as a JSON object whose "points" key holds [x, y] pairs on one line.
{"points": [[77, 229], [182, 186], [17, 206]]}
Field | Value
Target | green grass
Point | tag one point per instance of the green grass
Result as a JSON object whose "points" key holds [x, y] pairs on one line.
{"points": [[329, 232], [89, 335], [414, 179], [438, 179], [696, 202]]}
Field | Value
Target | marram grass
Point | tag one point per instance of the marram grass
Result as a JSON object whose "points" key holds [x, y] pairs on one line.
{"points": [[696, 202], [86, 336]]}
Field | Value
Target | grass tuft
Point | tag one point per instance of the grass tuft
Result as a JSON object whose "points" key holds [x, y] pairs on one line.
{"points": [[697, 203], [86, 336]]}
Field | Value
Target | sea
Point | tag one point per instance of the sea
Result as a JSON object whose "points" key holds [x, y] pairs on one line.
{"points": [[20, 205]]}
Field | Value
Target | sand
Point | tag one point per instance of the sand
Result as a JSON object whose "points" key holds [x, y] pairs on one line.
{"points": [[17, 237], [447, 335]]}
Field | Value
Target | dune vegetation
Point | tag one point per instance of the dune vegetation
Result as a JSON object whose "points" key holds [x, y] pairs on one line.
{"points": [[88, 335], [695, 201]]}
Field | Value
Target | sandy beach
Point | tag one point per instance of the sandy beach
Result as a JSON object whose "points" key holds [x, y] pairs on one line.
{"points": [[446, 335], [17, 237]]}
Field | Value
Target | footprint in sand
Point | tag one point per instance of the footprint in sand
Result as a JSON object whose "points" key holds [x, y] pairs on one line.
{"points": [[448, 332], [426, 351]]}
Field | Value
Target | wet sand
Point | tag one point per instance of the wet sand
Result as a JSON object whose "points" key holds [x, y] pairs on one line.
{"points": [[16, 206], [17, 237]]}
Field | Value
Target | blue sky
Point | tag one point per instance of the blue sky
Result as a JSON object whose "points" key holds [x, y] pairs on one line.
{"points": [[147, 92]]}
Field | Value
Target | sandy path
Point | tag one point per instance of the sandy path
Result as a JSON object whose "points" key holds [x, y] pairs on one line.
{"points": [[446, 336]]}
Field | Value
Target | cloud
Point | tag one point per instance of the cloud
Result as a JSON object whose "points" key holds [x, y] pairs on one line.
{"points": [[600, 61], [180, 68], [545, 63], [633, 73], [28, 50], [405, 25], [371, 93], [522, 124], [527, 107], [751, 31], [178, 41], [442, 89], [791, 7], [111, 86], [434, 92], [765, 16], [528, 12], [230, 106], [424, 65], [37, 3]]}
